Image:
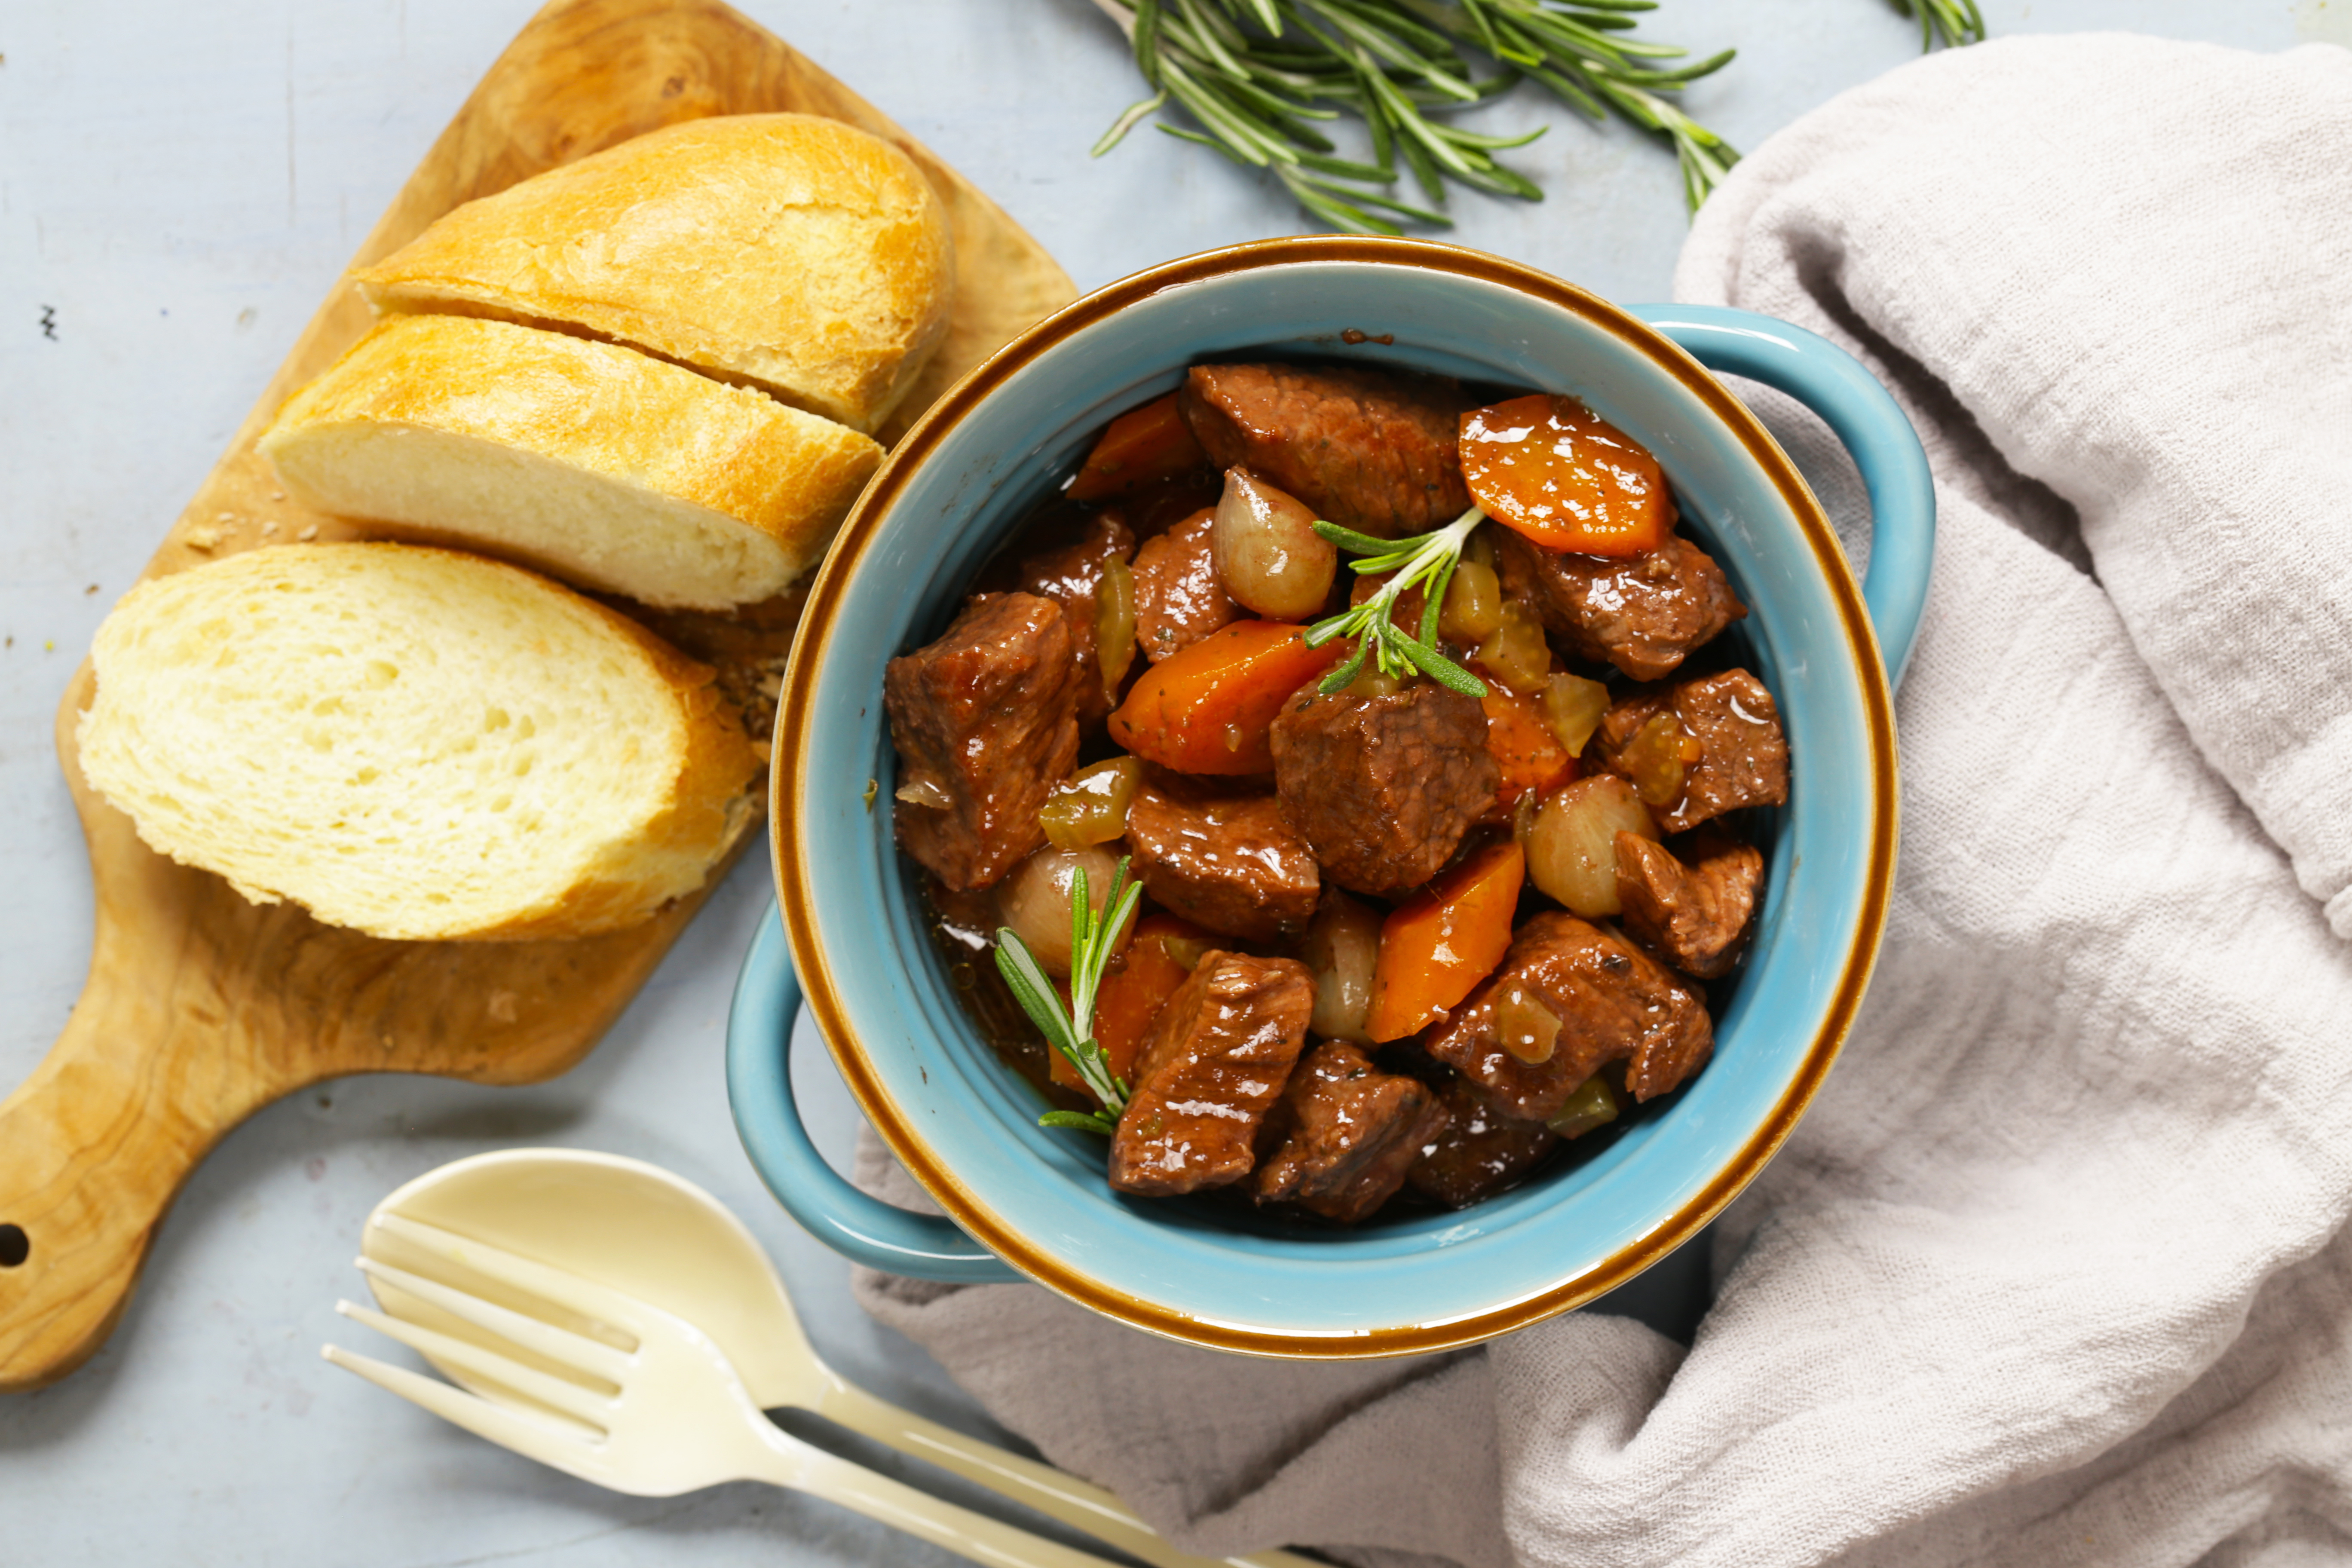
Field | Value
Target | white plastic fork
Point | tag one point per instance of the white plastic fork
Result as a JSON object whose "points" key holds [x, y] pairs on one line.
{"points": [[666, 1416]]}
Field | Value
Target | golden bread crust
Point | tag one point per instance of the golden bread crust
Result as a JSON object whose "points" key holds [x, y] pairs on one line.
{"points": [[594, 408], [793, 252]]}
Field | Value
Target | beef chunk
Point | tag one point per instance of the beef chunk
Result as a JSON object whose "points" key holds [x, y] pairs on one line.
{"points": [[1371, 450], [1642, 614], [1154, 508], [1179, 598], [1691, 904], [1220, 1052], [1743, 757], [985, 720], [1069, 576], [1226, 862], [1383, 787], [1343, 1134], [1478, 1150], [1612, 1000]]}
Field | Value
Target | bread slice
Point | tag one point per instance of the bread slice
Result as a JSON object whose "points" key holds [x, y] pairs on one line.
{"points": [[414, 743], [787, 251], [592, 462]]}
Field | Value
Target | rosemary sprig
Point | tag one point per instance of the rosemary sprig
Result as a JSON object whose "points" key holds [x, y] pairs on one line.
{"points": [[1072, 1032], [1565, 46], [1425, 561], [1254, 74], [1950, 22]]}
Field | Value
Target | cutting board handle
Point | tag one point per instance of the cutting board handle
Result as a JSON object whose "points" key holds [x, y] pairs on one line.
{"points": [[92, 1147]]}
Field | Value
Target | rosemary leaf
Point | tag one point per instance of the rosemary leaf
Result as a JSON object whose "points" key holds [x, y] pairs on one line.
{"points": [[1146, 41], [1342, 207], [1344, 217], [1504, 182], [1404, 209], [1570, 94], [1354, 543], [1383, 134], [1681, 75], [1126, 121], [1394, 19], [1951, 22], [1345, 676], [1481, 25], [1273, 105], [1211, 142], [1346, 170], [1432, 601], [1488, 143], [1201, 34], [1424, 168], [1082, 1120], [1034, 989], [1444, 670]]}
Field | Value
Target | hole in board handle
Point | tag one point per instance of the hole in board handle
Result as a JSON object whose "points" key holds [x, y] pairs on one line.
{"points": [[15, 1246]]}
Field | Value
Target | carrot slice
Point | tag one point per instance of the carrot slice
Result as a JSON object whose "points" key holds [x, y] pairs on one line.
{"points": [[1130, 996], [1210, 707], [1531, 757], [1141, 445], [1445, 940], [1551, 470]]}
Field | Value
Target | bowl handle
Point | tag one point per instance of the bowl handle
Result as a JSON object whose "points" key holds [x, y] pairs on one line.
{"points": [[759, 1092], [1834, 384]]}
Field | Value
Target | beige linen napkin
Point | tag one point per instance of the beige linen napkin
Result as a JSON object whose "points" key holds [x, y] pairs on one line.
{"points": [[2054, 1271]]}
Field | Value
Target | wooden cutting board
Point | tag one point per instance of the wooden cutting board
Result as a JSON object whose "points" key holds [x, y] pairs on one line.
{"points": [[200, 1007]]}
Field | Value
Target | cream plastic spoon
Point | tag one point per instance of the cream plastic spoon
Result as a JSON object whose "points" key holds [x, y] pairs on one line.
{"points": [[641, 1230]]}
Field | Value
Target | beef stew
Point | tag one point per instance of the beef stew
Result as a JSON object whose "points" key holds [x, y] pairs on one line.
{"points": [[1437, 873]]}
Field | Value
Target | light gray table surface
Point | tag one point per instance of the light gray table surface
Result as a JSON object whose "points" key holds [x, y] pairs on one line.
{"points": [[180, 184]]}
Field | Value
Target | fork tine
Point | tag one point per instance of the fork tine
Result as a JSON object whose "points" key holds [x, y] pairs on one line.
{"points": [[561, 1394], [598, 1302], [558, 1345], [531, 1436]]}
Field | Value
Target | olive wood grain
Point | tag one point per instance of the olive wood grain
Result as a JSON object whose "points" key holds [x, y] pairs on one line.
{"points": [[200, 1007]]}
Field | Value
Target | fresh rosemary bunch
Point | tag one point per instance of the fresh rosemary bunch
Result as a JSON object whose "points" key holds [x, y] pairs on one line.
{"points": [[1426, 560], [1072, 1032], [1954, 22], [1255, 73]]}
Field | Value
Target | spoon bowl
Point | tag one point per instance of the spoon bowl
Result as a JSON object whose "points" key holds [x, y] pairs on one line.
{"points": [[621, 1223]]}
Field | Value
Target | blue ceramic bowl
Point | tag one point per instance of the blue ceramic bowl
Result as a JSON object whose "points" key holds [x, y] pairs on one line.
{"points": [[1031, 1202]]}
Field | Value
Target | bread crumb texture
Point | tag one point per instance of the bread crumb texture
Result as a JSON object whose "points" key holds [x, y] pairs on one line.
{"points": [[789, 252], [413, 742], [602, 466]]}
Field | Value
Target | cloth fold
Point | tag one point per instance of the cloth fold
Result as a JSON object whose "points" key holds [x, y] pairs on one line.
{"points": [[2054, 1271]]}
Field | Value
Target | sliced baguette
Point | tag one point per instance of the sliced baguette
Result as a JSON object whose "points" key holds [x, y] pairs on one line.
{"points": [[791, 252], [414, 743], [590, 462]]}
